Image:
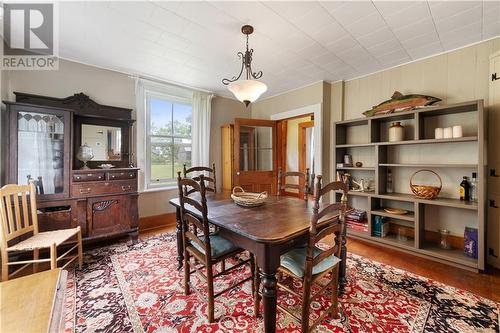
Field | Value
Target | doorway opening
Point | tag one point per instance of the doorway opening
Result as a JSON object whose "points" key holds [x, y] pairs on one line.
{"points": [[296, 148]]}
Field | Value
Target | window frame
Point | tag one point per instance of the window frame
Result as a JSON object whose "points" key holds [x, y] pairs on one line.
{"points": [[162, 184]]}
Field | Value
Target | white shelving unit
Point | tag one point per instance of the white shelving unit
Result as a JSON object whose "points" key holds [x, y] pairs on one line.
{"points": [[366, 140]]}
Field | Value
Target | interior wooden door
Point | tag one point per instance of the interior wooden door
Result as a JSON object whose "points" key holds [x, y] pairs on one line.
{"points": [[255, 163]]}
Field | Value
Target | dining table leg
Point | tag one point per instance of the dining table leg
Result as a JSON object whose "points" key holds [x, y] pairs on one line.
{"points": [[180, 246], [270, 300], [343, 262]]}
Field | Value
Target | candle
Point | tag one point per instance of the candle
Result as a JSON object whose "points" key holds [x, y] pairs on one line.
{"points": [[438, 133], [457, 131], [448, 133]]}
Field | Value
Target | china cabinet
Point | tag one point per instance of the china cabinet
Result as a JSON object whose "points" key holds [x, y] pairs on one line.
{"points": [[45, 136]]}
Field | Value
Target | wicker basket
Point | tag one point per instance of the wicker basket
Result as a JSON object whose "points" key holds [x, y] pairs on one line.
{"points": [[426, 191], [248, 199]]}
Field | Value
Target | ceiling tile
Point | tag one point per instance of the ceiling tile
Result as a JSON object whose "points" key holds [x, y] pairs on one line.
{"points": [[425, 50], [408, 13], [444, 9], [366, 25], [461, 36], [376, 37], [449, 23], [348, 12], [416, 28]]}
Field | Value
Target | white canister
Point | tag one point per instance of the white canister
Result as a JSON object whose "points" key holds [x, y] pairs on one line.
{"points": [[396, 132], [438, 133], [448, 133], [457, 132]]}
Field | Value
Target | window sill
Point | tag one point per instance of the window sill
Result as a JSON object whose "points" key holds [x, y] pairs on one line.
{"points": [[159, 189]]}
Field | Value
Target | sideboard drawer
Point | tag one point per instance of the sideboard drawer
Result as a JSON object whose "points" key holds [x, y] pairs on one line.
{"points": [[119, 175], [111, 187], [88, 177]]}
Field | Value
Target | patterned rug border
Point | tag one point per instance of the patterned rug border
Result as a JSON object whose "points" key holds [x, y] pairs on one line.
{"points": [[129, 302]]}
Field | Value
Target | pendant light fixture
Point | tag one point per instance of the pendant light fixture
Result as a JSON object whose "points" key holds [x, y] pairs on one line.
{"points": [[249, 89]]}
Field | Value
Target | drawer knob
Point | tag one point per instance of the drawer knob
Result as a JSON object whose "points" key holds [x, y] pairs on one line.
{"points": [[89, 175], [85, 190], [106, 184], [78, 177], [100, 177], [126, 188]]}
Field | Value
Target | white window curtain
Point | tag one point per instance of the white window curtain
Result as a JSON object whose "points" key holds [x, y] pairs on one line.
{"points": [[202, 110]]}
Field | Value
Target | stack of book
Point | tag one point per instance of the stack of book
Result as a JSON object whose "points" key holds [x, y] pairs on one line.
{"points": [[356, 220]]}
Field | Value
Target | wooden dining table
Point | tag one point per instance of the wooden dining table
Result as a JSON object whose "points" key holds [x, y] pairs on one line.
{"points": [[267, 231]]}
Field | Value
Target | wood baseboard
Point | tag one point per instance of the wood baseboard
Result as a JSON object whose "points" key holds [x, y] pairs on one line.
{"points": [[157, 221]]}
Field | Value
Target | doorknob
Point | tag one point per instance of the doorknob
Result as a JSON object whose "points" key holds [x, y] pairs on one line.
{"points": [[237, 173]]}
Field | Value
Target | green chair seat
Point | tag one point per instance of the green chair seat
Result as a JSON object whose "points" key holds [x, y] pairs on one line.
{"points": [[218, 246], [295, 261]]}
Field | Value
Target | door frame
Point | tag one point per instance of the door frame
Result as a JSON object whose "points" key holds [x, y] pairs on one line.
{"points": [[314, 109], [302, 144], [254, 122]]}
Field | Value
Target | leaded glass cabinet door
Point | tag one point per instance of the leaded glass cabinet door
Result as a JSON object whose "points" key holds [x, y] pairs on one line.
{"points": [[41, 149]]}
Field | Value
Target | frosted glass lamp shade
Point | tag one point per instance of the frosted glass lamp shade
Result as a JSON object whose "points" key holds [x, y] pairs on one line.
{"points": [[247, 91]]}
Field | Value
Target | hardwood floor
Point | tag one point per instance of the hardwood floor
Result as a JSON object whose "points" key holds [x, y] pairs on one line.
{"points": [[485, 284]]}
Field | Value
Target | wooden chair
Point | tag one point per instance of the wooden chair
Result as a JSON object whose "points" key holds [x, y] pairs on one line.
{"points": [[302, 185], [210, 179], [208, 249], [311, 264], [19, 218]]}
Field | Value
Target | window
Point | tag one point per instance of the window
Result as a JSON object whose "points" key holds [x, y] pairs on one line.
{"points": [[168, 139]]}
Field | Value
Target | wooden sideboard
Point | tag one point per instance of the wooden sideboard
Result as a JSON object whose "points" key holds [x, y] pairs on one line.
{"points": [[103, 202]]}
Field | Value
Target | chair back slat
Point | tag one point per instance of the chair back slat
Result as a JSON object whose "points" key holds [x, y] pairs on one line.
{"points": [[193, 238], [326, 253], [194, 203], [191, 219], [326, 231], [18, 217], [302, 185], [334, 186], [24, 205], [330, 209], [17, 213], [210, 178]]}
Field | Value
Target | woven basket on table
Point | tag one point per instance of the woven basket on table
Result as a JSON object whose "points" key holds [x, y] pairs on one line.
{"points": [[426, 191], [248, 199]]}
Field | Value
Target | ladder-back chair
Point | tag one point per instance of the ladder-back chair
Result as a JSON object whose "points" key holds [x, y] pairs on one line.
{"points": [[18, 217], [312, 264], [302, 185], [211, 183], [208, 248]]}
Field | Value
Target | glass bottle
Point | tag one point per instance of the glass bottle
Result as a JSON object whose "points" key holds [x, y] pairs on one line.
{"points": [[390, 186], [444, 242], [464, 189], [473, 188]]}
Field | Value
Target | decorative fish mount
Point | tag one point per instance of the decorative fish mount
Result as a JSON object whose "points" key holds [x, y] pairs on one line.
{"points": [[400, 102]]}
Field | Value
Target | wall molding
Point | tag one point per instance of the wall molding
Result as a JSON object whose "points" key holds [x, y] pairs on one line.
{"points": [[157, 221]]}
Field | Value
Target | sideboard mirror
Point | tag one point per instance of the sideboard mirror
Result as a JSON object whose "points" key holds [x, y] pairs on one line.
{"points": [[105, 141], [108, 139]]}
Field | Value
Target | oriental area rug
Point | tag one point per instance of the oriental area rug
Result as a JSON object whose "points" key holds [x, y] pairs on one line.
{"points": [[137, 288]]}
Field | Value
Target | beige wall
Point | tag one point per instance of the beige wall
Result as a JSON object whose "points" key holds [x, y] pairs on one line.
{"points": [[457, 76], [294, 99], [112, 88], [292, 143]]}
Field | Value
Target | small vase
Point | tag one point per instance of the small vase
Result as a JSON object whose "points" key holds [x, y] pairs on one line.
{"points": [[396, 132]]}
